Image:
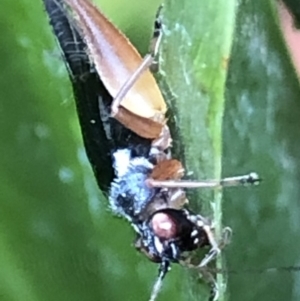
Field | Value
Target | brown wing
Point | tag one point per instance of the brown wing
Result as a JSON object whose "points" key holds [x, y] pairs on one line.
{"points": [[167, 170], [116, 60]]}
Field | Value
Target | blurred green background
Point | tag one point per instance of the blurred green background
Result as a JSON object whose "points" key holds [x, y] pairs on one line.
{"points": [[58, 240]]}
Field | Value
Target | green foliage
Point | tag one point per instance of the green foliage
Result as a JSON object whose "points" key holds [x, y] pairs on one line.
{"points": [[261, 132], [58, 241], [196, 48]]}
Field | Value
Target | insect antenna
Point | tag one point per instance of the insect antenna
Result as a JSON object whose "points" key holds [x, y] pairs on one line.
{"points": [[249, 179], [163, 270]]}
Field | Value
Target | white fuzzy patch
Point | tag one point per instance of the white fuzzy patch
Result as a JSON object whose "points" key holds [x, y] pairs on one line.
{"points": [[121, 161], [194, 233], [141, 161], [158, 244]]}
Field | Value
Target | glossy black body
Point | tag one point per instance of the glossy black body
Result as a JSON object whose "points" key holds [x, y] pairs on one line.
{"points": [[179, 244]]}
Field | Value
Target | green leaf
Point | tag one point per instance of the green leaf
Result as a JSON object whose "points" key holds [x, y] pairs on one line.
{"points": [[196, 49], [261, 133], [58, 241]]}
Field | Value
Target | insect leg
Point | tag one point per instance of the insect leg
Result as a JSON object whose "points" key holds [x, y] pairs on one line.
{"points": [[214, 251], [216, 246], [146, 63], [162, 143], [156, 39], [163, 270]]}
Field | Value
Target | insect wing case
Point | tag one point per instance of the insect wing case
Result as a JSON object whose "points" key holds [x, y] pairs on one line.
{"points": [[116, 60], [102, 135]]}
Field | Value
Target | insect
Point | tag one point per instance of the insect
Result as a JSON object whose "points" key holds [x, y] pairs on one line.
{"points": [[126, 136]]}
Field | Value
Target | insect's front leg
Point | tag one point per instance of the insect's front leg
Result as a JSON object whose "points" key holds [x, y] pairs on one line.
{"points": [[216, 246], [156, 40], [147, 63]]}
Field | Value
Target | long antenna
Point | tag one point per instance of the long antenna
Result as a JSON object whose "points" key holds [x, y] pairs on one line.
{"points": [[250, 179], [163, 270]]}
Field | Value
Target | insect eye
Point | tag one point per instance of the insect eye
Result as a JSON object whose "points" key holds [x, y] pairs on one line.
{"points": [[163, 226]]}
